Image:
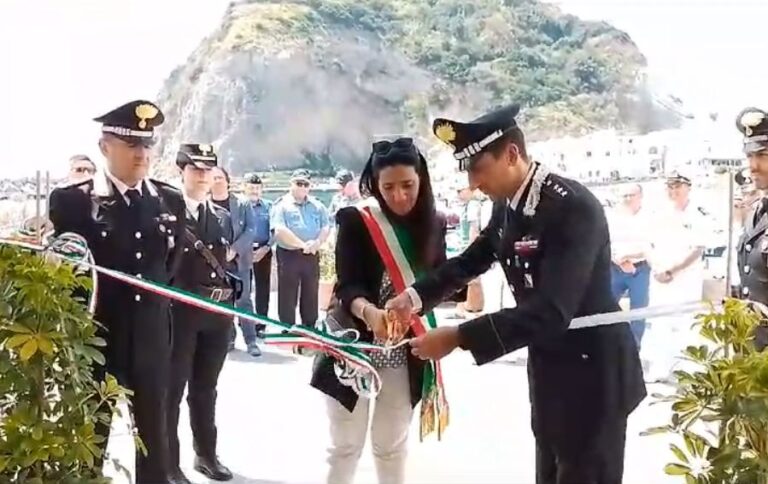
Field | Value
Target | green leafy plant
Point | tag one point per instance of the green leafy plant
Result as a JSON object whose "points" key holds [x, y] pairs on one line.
{"points": [[50, 402], [720, 408]]}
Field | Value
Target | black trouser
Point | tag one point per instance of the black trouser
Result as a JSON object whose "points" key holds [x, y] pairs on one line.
{"points": [[298, 276], [601, 462], [200, 346], [262, 272], [147, 378]]}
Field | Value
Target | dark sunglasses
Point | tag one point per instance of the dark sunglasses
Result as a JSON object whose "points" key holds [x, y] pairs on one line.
{"points": [[303, 184], [83, 169], [384, 147]]}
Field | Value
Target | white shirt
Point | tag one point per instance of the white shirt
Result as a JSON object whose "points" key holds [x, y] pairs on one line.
{"points": [[122, 187], [677, 234], [630, 233], [193, 205]]}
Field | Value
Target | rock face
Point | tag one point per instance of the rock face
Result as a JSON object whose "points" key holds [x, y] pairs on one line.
{"points": [[283, 84]]}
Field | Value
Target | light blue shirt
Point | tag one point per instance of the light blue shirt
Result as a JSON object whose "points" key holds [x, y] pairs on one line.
{"points": [[305, 219]]}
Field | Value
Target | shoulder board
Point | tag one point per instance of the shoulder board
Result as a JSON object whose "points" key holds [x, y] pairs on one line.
{"points": [[557, 187], [162, 184], [168, 189], [82, 184]]}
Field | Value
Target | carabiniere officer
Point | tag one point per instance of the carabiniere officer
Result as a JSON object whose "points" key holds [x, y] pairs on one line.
{"points": [[201, 338], [551, 238], [131, 224]]}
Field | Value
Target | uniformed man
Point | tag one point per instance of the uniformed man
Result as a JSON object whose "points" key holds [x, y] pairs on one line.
{"points": [[752, 248], [131, 225], [348, 194], [300, 222], [201, 339], [263, 242], [550, 236]]}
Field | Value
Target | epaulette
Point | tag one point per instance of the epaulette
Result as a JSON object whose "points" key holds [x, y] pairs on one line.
{"points": [[167, 186], [163, 184], [557, 188], [76, 184], [85, 186]]}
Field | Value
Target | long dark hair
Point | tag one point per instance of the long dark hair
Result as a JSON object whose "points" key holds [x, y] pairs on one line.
{"points": [[422, 221]]}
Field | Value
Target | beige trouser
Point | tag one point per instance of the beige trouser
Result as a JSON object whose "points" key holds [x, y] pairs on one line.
{"points": [[389, 431]]}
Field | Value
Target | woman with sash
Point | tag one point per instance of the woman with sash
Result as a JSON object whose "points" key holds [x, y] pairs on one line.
{"points": [[396, 183]]}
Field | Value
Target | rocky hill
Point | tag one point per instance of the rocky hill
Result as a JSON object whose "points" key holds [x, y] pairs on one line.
{"points": [[288, 83]]}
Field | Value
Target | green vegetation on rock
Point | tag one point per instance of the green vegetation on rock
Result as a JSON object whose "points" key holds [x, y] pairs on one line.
{"points": [[380, 66]]}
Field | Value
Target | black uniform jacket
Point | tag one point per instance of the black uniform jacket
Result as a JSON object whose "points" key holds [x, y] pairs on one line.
{"points": [[359, 272], [752, 256], [195, 273], [139, 242], [557, 262]]}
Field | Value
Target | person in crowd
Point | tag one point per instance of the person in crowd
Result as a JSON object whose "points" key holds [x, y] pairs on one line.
{"points": [[469, 229], [81, 168], [397, 178], [301, 226], [263, 242], [201, 338], [348, 193], [131, 224], [678, 271], [753, 244], [550, 236], [631, 233], [241, 251]]}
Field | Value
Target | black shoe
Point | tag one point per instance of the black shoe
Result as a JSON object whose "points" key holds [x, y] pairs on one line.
{"points": [[178, 477], [212, 469]]}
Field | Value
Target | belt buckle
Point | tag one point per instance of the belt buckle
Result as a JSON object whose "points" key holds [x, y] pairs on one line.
{"points": [[217, 294]]}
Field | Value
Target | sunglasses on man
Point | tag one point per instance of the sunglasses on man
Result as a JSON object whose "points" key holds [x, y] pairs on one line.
{"points": [[301, 183], [84, 169]]}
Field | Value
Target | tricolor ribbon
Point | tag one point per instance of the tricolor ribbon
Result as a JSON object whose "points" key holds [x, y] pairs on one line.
{"points": [[355, 368], [396, 251]]}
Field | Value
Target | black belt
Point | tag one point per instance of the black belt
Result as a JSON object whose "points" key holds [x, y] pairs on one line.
{"points": [[217, 294]]}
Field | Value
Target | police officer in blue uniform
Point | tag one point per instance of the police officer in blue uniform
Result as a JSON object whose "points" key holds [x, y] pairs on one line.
{"points": [[131, 224], [201, 338], [301, 225], [551, 238], [262, 247]]}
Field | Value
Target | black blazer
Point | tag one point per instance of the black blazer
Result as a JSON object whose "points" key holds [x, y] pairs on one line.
{"points": [[359, 270]]}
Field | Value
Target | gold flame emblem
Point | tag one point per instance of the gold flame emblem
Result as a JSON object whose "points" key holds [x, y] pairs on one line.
{"points": [[145, 112], [205, 149], [446, 133]]}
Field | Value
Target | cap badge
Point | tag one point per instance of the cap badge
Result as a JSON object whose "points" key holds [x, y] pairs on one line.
{"points": [[145, 112], [445, 133], [205, 149], [751, 119]]}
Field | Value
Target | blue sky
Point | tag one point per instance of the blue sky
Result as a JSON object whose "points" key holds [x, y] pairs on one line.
{"points": [[64, 62]]}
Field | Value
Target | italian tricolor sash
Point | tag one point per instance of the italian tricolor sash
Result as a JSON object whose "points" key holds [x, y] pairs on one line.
{"points": [[397, 253]]}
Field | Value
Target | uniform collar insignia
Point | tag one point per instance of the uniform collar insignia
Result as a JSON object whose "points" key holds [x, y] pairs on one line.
{"points": [[537, 175]]}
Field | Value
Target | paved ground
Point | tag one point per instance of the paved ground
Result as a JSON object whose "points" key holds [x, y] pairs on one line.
{"points": [[272, 426]]}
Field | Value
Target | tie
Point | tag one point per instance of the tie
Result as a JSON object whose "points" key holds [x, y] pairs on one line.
{"points": [[201, 216], [762, 209], [134, 197]]}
